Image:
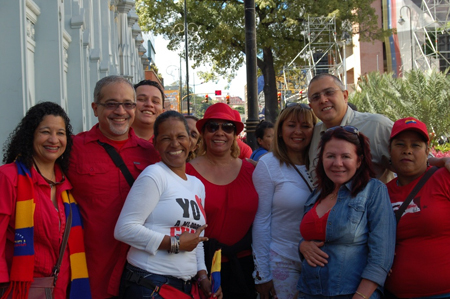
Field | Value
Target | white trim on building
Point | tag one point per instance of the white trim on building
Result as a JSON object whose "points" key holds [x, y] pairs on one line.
{"points": [[57, 50]]}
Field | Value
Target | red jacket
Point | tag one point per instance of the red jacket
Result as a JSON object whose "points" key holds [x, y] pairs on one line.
{"points": [[49, 225]]}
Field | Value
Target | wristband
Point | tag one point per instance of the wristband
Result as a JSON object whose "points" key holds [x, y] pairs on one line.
{"points": [[202, 277]]}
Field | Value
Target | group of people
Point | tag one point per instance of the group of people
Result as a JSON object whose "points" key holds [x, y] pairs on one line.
{"points": [[148, 197]]}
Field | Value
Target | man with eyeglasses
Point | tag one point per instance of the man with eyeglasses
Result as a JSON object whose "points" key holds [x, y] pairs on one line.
{"points": [[149, 100], [328, 99], [99, 185]]}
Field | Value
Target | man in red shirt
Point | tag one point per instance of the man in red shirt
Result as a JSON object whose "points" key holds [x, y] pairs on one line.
{"points": [[100, 187], [150, 104]]}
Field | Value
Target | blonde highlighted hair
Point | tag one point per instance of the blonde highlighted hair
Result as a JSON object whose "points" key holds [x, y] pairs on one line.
{"points": [[300, 112]]}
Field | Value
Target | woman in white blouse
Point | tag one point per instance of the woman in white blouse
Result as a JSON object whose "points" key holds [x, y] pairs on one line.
{"points": [[163, 220], [283, 185]]}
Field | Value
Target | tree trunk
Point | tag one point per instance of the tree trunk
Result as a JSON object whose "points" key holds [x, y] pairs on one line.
{"points": [[270, 85]]}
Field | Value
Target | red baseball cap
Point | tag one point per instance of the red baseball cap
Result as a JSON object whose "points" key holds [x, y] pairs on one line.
{"points": [[220, 111], [409, 123]]}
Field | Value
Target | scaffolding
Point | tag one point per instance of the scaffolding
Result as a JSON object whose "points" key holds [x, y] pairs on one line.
{"points": [[431, 35], [322, 54]]}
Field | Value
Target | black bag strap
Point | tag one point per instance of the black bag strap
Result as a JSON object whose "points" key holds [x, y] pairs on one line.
{"points": [[118, 161], [415, 190], [63, 243], [301, 175]]}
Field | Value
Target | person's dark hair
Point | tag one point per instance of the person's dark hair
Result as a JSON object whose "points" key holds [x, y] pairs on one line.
{"points": [[193, 154], [20, 141], [107, 81], [165, 116], [363, 173], [191, 117], [261, 129], [151, 83]]}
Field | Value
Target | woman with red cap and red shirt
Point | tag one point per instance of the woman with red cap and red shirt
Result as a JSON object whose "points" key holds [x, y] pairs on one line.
{"points": [[422, 264], [231, 200]]}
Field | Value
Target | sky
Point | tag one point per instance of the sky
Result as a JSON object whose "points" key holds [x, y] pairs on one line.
{"points": [[168, 63]]}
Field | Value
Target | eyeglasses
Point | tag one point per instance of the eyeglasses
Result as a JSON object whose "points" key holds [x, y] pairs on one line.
{"points": [[330, 92], [228, 127], [350, 129], [115, 105]]}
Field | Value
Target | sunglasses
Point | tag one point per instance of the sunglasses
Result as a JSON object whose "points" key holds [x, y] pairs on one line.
{"points": [[350, 129], [228, 127]]}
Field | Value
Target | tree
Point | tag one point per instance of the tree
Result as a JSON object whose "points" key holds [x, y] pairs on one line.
{"points": [[220, 37], [423, 95]]}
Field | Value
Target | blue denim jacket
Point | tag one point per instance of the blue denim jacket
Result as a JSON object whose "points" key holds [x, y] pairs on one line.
{"points": [[360, 242]]}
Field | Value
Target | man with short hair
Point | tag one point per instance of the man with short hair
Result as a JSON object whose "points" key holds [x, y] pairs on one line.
{"points": [[328, 99], [99, 185], [149, 100]]}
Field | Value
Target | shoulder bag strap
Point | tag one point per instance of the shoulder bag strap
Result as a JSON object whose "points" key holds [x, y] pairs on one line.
{"points": [[63, 243], [118, 161], [416, 189], [301, 175]]}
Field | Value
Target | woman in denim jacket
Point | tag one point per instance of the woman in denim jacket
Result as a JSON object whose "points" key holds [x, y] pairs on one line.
{"points": [[348, 228]]}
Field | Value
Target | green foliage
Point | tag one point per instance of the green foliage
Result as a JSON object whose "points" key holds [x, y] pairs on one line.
{"points": [[217, 31], [240, 109], [198, 107], [443, 147], [423, 95]]}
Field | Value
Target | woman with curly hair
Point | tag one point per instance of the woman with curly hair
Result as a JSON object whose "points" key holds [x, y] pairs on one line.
{"points": [[36, 202]]}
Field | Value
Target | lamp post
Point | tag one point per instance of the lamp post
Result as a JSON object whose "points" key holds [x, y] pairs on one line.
{"points": [[345, 40], [401, 21]]}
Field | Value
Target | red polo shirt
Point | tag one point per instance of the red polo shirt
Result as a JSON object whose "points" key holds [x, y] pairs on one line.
{"points": [[100, 190]]}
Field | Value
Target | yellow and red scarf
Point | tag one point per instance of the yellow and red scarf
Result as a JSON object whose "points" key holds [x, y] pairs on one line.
{"points": [[22, 268]]}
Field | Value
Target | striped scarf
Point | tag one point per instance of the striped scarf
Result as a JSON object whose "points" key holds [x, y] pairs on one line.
{"points": [[22, 268]]}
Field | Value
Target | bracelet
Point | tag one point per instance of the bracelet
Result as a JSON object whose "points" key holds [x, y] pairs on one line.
{"points": [[177, 244], [174, 245], [362, 295], [202, 277]]}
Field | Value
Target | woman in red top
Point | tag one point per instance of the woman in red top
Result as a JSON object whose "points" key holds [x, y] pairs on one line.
{"points": [[41, 146], [422, 262], [231, 200]]}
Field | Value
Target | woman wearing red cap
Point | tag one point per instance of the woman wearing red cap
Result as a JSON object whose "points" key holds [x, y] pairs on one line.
{"points": [[422, 264], [231, 200]]}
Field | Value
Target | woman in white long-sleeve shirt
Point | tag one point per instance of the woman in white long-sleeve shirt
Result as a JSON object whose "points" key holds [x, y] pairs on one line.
{"points": [[283, 185], [163, 219]]}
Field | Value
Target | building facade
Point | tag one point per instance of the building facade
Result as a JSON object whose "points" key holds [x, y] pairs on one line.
{"points": [[57, 50]]}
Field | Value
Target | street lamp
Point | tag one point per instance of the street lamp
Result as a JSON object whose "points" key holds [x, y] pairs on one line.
{"points": [[401, 21], [346, 39]]}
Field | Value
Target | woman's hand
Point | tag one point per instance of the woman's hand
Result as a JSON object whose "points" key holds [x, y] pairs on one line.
{"points": [[265, 290], [205, 286], [313, 254], [189, 241]]}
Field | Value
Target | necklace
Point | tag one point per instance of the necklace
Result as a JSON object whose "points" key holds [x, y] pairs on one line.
{"points": [[49, 182], [333, 196]]}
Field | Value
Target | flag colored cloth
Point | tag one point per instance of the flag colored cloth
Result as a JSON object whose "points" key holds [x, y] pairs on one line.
{"points": [[215, 271], [79, 278], [22, 268]]}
